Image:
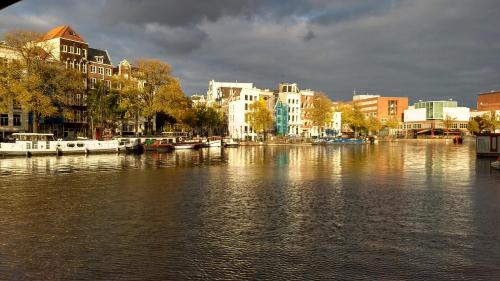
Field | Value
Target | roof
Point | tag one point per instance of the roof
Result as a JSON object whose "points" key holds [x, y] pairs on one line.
{"points": [[490, 93], [93, 53], [64, 31]]}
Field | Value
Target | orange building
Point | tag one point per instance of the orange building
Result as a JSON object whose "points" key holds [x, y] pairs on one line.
{"points": [[488, 101], [384, 108]]}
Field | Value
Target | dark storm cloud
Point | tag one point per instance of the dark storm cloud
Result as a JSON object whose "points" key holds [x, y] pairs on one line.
{"points": [[424, 49], [176, 13]]}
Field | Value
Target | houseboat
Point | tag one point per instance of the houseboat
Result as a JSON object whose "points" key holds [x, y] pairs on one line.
{"points": [[214, 142], [30, 144], [488, 145], [229, 142]]}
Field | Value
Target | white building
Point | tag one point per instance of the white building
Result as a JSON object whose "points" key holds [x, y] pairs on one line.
{"points": [[219, 92], [289, 94], [423, 116], [238, 108]]}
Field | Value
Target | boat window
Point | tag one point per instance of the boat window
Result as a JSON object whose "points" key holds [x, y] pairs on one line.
{"points": [[70, 145], [79, 144]]}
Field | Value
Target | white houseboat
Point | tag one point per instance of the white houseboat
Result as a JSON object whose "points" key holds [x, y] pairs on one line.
{"points": [[488, 145], [29, 144]]}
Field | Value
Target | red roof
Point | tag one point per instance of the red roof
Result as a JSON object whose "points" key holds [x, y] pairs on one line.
{"points": [[64, 31]]}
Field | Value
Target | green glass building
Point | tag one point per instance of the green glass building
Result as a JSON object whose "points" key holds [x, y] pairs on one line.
{"points": [[281, 116], [434, 109]]}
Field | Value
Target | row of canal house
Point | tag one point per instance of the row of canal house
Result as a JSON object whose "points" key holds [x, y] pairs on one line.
{"points": [[73, 51], [288, 104]]}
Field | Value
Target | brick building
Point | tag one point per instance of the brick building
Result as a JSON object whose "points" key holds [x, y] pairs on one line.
{"points": [[488, 101], [71, 49], [384, 108]]}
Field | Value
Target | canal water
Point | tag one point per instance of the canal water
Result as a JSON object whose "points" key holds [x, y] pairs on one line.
{"points": [[407, 210]]}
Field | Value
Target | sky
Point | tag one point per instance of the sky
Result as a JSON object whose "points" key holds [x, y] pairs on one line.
{"points": [[425, 49]]}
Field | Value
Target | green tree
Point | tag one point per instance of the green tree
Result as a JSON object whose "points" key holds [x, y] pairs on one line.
{"points": [[259, 117], [102, 108], [448, 122]]}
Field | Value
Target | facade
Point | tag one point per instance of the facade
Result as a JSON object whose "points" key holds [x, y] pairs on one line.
{"points": [[281, 118], [198, 100], [424, 117], [68, 47], [383, 108], [488, 101], [238, 108], [100, 68], [289, 93]]}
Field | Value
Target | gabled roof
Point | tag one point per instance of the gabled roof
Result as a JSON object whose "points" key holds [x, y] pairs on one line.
{"points": [[64, 31], [93, 53]]}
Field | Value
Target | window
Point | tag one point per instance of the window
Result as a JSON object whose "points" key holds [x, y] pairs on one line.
{"points": [[71, 49], [246, 106], [17, 120], [98, 59], [85, 83], [101, 70], [72, 64], [108, 71], [92, 69], [92, 83], [64, 48], [108, 83], [84, 67], [78, 51], [4, 120], [84, 52], [246, 97], [78, 65]]}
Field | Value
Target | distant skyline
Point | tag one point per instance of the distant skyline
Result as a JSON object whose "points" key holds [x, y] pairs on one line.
{"points": [[423, 49]]}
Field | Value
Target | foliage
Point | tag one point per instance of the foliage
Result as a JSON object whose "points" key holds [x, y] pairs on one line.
{"points": [[321, 112], [259, 117], [373, 124], [353, 117], [207, 119], [474, 126], [102, 107], [448, 121]]}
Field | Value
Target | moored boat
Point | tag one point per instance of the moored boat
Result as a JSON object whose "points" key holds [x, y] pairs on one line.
{"points": [[187, 145], [229, 142], [214, 142], [31, 144]]}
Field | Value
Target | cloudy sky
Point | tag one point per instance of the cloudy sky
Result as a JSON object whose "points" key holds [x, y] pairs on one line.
{"points": [[425, 49]]}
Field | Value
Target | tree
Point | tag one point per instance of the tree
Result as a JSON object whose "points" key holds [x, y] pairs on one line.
{"points": [[474, 127], [490, 121], [129, 102], [353, 117], [207, 119], [373, 125], [158, 90], [321, 111], [391, 123], [37, 82], [102, 108], [259, 117]]}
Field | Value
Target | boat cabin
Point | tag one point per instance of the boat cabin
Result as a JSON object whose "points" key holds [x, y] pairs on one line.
{"points": [[488, 145], [33, 137]]}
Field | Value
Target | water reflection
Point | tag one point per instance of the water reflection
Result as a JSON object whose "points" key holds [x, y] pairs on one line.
{"points": [[387, 211]]}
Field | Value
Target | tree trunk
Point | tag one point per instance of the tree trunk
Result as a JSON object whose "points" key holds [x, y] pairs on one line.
{"points": [[35, 122]]}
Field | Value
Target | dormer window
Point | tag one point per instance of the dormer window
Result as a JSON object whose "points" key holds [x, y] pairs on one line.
{"points": [[99, 59]]}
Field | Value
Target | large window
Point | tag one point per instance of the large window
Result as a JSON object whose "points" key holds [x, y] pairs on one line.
{"points": [[17, 120], [101, 70], [4, 120], [92, 69]]}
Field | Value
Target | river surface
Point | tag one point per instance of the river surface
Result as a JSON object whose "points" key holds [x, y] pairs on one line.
{"points": [[392, 211]]}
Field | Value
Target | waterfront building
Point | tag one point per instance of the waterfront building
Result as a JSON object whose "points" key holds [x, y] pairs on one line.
{"points": [[100, 68], [428, 116], [281, 118], [488, 101], [289, 93], [220, 93], [383, 108], [14, 119], [238, 104], [65, 45]]}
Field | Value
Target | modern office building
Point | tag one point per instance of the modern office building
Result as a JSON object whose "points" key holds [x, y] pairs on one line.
{"points": [[431, 116]]}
